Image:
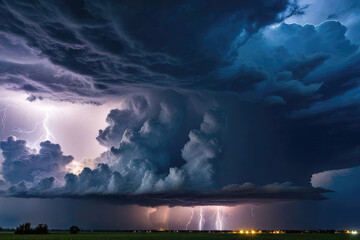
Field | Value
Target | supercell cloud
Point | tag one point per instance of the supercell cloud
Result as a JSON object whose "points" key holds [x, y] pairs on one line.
{"points": [[214, 95]]}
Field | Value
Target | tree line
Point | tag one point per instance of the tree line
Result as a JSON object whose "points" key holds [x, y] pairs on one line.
{"points": [[26, 228]]}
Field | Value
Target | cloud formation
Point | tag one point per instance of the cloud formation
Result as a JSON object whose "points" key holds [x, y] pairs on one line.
{"points": [[87, 49], [58, 53], [290, 57], [229, 196], [138, 170], [244, 86], [23, 163]]}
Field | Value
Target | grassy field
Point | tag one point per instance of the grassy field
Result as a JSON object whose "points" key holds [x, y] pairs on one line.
{"points": [[174, 236]]}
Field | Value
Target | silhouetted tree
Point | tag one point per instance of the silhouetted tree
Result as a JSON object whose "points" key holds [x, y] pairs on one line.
{"points": [[26, 229], [41, 229], [20, 229], [1, 229], [74, 229]]}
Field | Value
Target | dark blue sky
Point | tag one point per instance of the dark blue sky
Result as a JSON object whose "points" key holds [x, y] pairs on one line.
{"points": [[146, 105]]}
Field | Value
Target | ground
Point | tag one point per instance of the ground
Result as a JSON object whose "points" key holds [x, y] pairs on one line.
{"points": [[174, 236]]}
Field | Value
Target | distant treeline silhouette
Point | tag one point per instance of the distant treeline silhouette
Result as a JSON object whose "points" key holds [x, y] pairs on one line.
{"points": [[26, 229], [74, 229]]}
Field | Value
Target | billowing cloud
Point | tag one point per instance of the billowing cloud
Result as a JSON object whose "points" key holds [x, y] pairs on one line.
{"points": [[142, 155], [120, 120], [290, 57], [139, 170], [23, 163], [345, 11], [202, 148]]}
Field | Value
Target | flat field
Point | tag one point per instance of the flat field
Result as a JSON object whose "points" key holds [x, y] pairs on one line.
{"points": [[174, 236]]}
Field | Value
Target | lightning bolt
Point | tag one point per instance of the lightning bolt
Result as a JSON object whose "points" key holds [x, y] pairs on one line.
{"points": [[48, 135], [191, 218], [219, 222], [201, 219], [3, 119], [166, 226], [45, 136], [23, 131], [252, 211]]}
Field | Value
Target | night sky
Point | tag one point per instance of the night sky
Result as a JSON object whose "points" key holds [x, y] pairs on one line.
{"points": [[199, 114]]}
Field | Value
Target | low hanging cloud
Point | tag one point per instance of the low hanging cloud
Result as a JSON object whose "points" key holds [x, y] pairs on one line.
{"points": [[228, 196]]}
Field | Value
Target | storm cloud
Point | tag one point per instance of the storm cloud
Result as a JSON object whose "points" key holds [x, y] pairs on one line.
{"points": [[63, 40], [23, 163], [138, 169], [229, 196], [206, 97]]}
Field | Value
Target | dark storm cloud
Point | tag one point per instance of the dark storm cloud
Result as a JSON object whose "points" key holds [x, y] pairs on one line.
{"points": [[139, 163], [140, 169], [141, 154], [299, 63], [79, 50], [23, 163], [94, 49], [229, 196]]}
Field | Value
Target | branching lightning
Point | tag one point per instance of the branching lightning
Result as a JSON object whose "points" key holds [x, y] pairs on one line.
{"points": [[45, 136], [23, 131], [191, 218]]}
